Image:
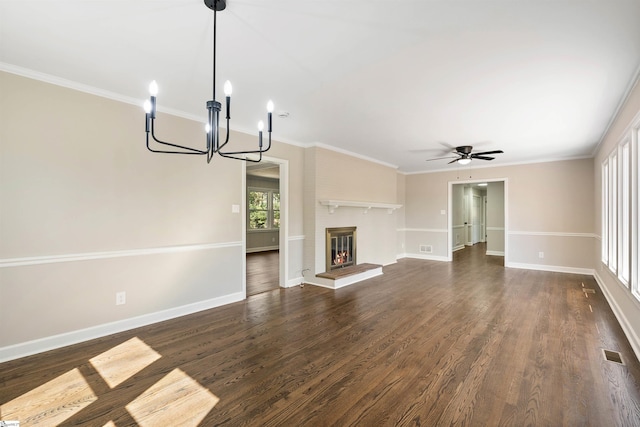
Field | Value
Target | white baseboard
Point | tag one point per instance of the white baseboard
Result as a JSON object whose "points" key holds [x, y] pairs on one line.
{"points": [[553, 268], [458, 248], [315, 283], [495, 253], [427, 257], [631, 335], [41, 345]]}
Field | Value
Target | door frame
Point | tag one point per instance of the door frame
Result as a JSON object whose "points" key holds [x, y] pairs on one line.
{"points": [[283, 235], [476, 227], [505, 182]]}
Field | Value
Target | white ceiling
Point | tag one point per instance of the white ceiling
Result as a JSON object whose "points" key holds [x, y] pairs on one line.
{"points": [[396, 81]]}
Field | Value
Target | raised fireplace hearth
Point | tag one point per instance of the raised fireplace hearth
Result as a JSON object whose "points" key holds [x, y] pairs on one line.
{"points": [[340, 247]]}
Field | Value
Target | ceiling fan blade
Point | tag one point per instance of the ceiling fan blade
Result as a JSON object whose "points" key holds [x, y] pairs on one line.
{"points": [[453, 161], [475, 156], [442, 158], [489, 152]]}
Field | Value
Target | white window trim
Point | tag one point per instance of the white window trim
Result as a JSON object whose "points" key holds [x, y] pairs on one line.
{"points": [[625, 251], [604, 178], [635, 209], [613, 212], [270, 210]]}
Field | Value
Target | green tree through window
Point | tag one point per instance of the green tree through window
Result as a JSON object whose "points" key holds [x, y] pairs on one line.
{"points": [[264, 209]]}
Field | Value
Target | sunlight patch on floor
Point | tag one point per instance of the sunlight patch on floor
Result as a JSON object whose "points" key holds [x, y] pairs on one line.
{"points": [[123, 361], [51, 403], [177, 399]]}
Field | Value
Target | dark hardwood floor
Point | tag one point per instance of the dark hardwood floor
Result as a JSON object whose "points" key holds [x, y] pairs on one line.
{"points": [[426, 344], [263, 272]]}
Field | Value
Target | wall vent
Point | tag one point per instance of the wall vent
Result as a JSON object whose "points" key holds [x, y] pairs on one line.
{"points": [[612, 356], [426, 249]]}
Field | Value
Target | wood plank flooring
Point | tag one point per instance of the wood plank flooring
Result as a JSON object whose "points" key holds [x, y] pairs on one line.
{"points": [[426, 344], [263, 272]]}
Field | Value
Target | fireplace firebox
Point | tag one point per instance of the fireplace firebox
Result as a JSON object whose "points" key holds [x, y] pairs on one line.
{"points": [[341, 247]]}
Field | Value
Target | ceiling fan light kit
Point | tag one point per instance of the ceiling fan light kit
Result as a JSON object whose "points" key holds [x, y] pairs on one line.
{"points": [[213, 115]]}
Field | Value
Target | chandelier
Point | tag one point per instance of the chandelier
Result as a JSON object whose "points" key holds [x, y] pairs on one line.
{"points": [[214, 107]]}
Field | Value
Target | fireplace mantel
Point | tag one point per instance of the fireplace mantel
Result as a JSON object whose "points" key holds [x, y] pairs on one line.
{"points": [[335, 204]]}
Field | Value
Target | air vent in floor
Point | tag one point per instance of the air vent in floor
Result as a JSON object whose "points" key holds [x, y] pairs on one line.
{"points": [[613, 356], [589, 291]]}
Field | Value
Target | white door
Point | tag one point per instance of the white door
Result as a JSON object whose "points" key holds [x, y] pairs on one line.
{"points": [[476, 220]]}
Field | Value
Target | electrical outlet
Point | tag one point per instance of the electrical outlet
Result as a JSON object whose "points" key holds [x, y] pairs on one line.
{"points": [[121, 298], [540, 254]]}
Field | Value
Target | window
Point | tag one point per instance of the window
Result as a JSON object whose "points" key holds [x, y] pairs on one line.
{"points": [[605, 213], [613, 212], [635, 226], [620, 227], [263, 209], [624, 267]]}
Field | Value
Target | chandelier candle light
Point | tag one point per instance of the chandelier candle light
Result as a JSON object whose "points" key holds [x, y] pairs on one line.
{"points": [[213, 115]]}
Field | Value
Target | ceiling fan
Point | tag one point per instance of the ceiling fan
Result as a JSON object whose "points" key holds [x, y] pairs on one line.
{"points": [[465, 155]]}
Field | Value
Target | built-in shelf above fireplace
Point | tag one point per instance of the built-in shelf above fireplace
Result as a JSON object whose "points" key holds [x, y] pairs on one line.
{"points": [[367, 206]]}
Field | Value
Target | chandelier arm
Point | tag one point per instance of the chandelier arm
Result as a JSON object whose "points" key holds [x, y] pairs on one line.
{"points": [[226, 139], [262, 150], [244, 159], [254, 160], [189, 149]]}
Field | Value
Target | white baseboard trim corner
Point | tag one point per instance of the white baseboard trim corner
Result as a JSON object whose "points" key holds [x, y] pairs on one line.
{"points": [[495, 253], [294, 282], [41, 345]]}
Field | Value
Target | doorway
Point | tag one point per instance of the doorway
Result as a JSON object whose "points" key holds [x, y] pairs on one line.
{"points": [[263, 227], [477, 215]]}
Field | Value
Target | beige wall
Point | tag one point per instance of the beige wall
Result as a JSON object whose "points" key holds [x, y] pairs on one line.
{"points": [[86, 211], [545, 202], [495, 218], [623, 303]]}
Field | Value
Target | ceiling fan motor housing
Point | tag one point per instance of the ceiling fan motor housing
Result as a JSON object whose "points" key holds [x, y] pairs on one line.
{"points": [[464, 149]]}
